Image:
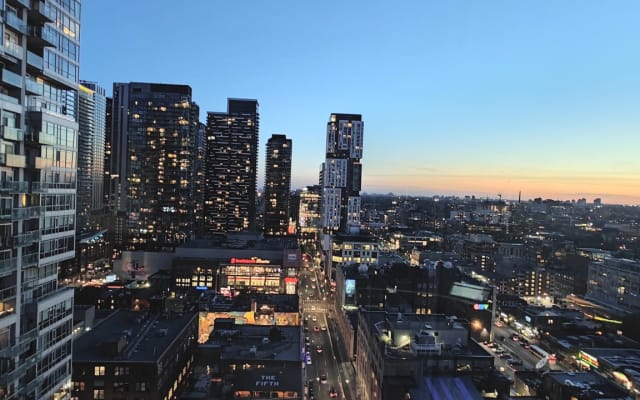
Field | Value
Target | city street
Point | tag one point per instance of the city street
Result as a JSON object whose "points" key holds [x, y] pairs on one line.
{"points": [[323, 370]]}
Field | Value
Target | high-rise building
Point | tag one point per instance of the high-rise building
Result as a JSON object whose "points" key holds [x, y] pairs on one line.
{"points": [[199, 178], [108, 182], [39, 64], [277, 185], [342, 177], [91, 123], [153, 147], [231, 167], [309, 213]]}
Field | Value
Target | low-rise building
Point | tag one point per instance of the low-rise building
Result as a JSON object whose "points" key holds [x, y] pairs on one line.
{"points": [[395, 352], [134, 355]]}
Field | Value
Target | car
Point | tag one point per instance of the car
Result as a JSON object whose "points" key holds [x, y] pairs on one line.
{"points": [[332, 393], [307, 339], [319, 349], [504, 355], [314, 318], [514, 362], [316, 328], [323, 378], [323, 328], [306, 329], [515, 338]]}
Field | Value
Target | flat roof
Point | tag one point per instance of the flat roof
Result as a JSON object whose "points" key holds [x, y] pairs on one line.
{"points": [[148, 336], [240, 342]]}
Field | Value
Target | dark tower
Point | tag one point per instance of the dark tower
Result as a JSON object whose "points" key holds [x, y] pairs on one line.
{"points": [[277, 185], [231, 167]]}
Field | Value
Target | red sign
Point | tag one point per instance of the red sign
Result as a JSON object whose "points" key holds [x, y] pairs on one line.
{"points": [[289, 279], [248, 261]]}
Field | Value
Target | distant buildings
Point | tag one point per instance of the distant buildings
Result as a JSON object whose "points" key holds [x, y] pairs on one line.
{"points": [[615, 282], [231, 167], [277, 186], [342, 173], [153, 150], [309, 213], [91, 133]]}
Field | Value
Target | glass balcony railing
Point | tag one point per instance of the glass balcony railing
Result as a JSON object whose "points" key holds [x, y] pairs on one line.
{"points": [[45, 186], [11, 78], [13, 49], [29, 259], [26, 239], [14, 186], [26, 212], [11, 133], [7, 265], [35, 60], [9, 99], [8, 293], [15, 22], [34, 87]]}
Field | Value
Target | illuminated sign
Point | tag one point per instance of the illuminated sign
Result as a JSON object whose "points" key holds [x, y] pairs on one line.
{"points": [[527, 318], [478, 306], [268, 381], [290, 280], [201, 288], [252, 260], [588, 359]]}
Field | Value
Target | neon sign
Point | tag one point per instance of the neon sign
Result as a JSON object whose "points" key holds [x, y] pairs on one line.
{"points": [[252, 260], [481, 306], [588, 359]]}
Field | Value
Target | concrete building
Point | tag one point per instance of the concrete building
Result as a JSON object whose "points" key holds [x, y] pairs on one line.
{"points": [[39, 64], [254, 361], [396, 351], [614, 282], [134, 355]]}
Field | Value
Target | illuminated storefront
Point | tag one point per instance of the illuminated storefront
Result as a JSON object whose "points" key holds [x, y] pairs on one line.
{"points": [[253, 274]]}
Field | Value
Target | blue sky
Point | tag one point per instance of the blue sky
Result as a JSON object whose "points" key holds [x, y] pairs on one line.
{"points": [[458, 97]]}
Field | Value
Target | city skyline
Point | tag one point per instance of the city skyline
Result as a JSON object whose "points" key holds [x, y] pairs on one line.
{"points": [[460, 99]]}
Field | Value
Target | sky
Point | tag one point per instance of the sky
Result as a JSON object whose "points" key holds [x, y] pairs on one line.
{"points": [[484, 98]]}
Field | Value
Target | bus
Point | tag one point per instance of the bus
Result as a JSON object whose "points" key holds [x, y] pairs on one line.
{"points": [[540, 352]]}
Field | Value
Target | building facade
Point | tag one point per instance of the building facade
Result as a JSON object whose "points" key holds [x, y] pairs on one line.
{"points": [[277, 186], [342, 177], [231, 167], [153, 147], [309, 213], [614, 282], [38, 164], [91, 123]]}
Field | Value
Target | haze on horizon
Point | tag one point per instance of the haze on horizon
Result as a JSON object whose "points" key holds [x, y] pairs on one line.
{"points": [[458, 98]]}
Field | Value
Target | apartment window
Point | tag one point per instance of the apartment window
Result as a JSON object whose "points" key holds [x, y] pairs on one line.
{"points": [[98, 394], [121, 371], [99, 370]]}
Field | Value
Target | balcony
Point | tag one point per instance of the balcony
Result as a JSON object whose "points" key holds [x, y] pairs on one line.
{"points": [[26, 239], [34, 87], [20, 213], [8, 293], [29, 260], [15, 22], [13, 49], [9, 99], [40, 37], [15, 160], [35, 60], [20, 3], [7, 266], [37, 14], [11, 78], [14, 186], [44, 187], [11, 133]]}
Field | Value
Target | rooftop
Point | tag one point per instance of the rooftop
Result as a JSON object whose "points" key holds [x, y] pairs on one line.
{"points": [[131, 336], [258, 342]]}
